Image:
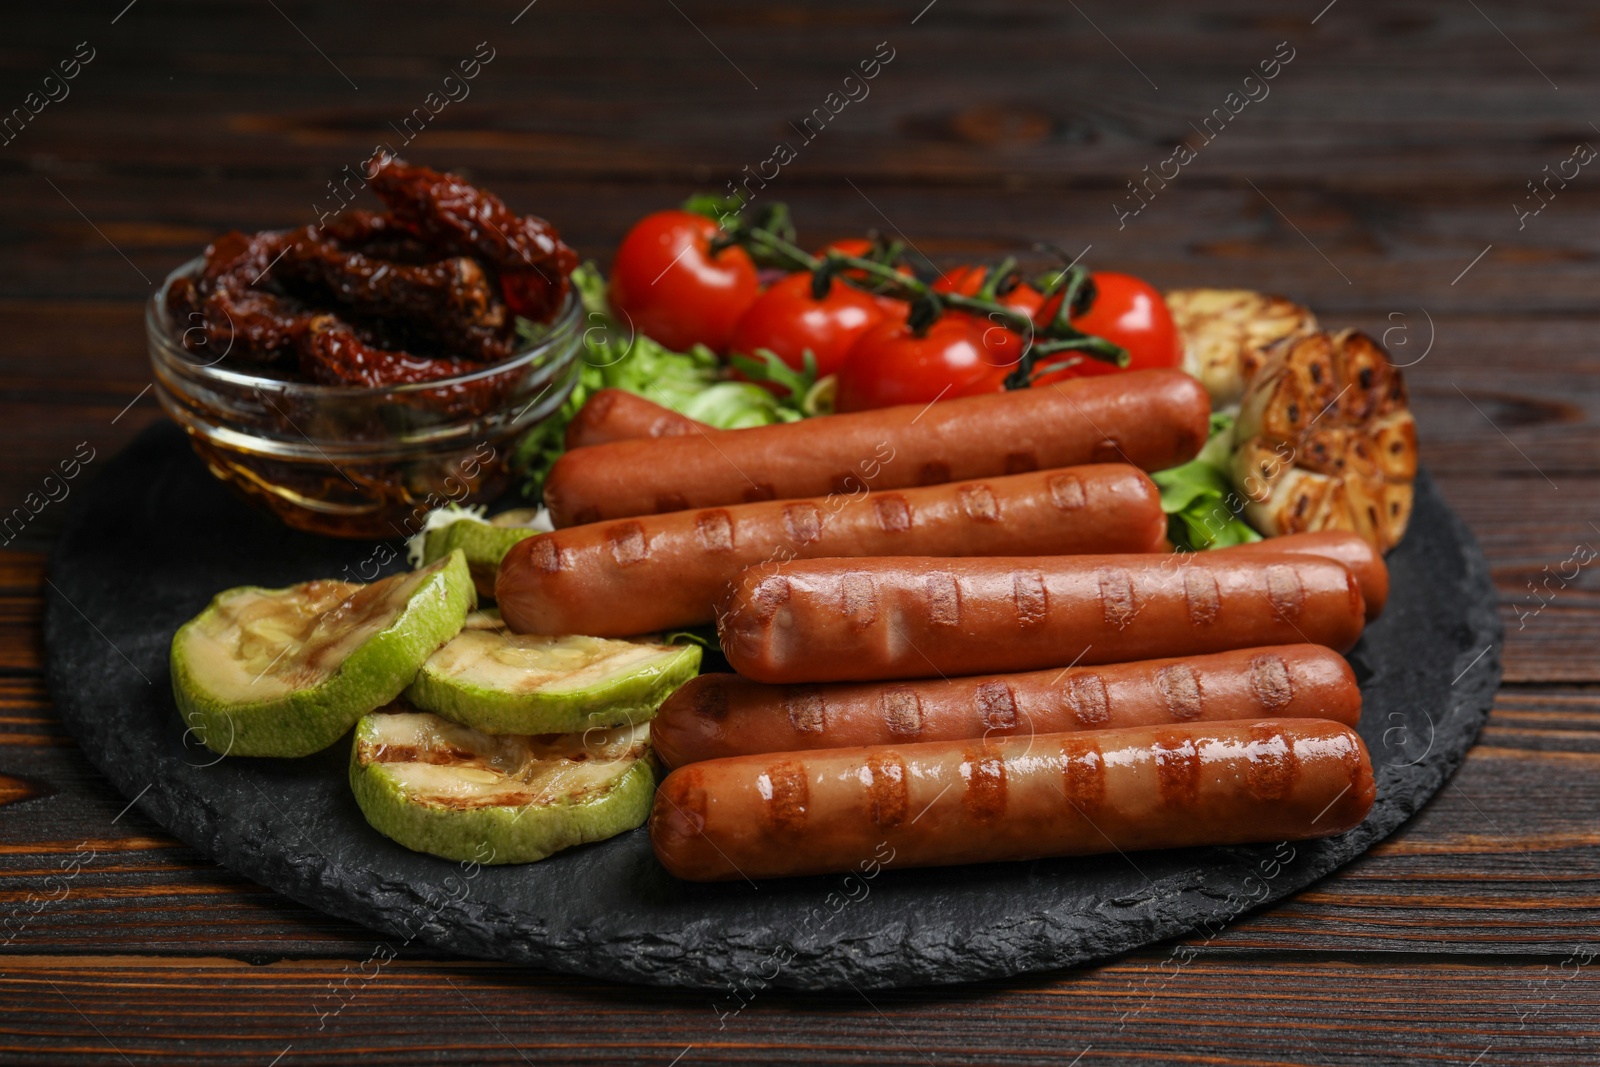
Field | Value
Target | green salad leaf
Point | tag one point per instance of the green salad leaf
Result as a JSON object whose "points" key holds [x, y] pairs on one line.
{"points": [[704, 636], [769, 367], [1198, 497], [714, 207]]}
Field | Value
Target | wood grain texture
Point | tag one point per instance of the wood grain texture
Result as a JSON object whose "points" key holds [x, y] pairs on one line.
{"points": [[1165, 1009], [1389, 154]]}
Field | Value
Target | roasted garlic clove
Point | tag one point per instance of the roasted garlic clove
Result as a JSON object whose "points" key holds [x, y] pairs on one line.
{"points": [[1228, 334], [1324, 441]]}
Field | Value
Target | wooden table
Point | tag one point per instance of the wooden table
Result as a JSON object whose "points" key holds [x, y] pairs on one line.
{"points": [[1382, 179]]}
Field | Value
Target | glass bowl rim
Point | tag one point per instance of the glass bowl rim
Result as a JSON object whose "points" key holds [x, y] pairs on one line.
{"points": [[160, 327]]}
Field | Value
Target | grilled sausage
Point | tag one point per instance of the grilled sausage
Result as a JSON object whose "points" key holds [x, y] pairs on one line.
{"points": [[720, 715], [949, 802], [656, 572], [835, 620], [618, 415], [1358, 555], [1151, 419]]}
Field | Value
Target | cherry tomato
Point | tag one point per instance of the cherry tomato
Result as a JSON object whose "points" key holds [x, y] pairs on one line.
{"points": [[673, 289], [893, 308], [968, 279], [1126, 311], [959, 356], [788, 320], [850, 246]]}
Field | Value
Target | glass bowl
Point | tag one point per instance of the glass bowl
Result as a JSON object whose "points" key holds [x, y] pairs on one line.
{"points": [[354, 461]]}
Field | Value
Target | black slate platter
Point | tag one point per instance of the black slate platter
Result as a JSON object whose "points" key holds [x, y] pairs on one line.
{"points": [[155, 537]]}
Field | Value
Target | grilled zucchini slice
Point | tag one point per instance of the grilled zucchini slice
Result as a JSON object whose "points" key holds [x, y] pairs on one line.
{"points": [[485, 542], [438, 787], [286, 672], [505, 683]]}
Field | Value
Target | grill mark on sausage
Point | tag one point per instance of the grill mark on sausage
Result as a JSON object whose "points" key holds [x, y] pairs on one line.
{"points": [[1084, 775], [1177, 768], [1108, 450], [978, 503], [1285, 591], [1030, 598], [934, 472], [627, 543], [759, 491], [1350, 756], [858, 600], [887, 791], [671, 502], [901, 710], [1271, 683], [892, 511], [803, 704], [598, 407], [1117, 599], [711, 701], [787, 792], [1201, 595], [545, 555], [1273, 765], [1180, 691], [803, 522], [1066, 492], [1021, 462], [770, 594], [1085, 695], [997, 705], [944, 599], [691, 802], [985, 795], [714, 530]]}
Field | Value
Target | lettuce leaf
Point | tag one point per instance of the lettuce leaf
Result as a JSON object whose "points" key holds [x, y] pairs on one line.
{"points": [[704, 636], [1202, 508]]}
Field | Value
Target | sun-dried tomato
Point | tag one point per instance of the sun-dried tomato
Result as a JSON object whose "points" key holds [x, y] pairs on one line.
{"points": [[448, 213], [378, 236], [450, 304], [230, 307], [429, 290], [334, 355]]}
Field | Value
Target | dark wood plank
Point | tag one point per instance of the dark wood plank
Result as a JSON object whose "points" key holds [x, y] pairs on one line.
{"points": [[21, 579], [1387, 247], [636, 89], [1146, 1008]]}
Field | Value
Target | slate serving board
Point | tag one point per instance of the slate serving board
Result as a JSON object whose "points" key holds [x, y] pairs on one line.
{"points": [[155, 537]]}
